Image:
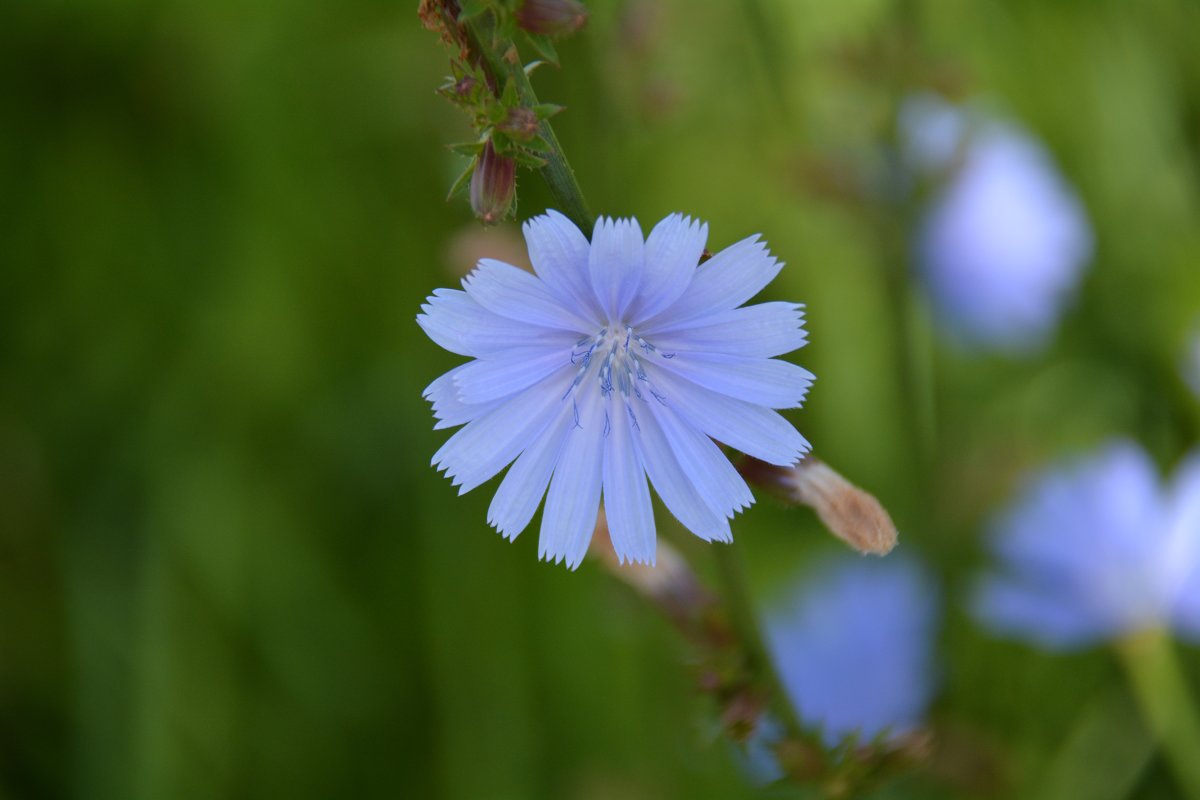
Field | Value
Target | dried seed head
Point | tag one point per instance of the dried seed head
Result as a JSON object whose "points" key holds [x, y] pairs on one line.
{"points": [[493, 185], [852, 515], [551, 17]]}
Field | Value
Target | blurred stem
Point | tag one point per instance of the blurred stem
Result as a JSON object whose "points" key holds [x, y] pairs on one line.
{"points": [[1160, 687], [913, 339], [736, 595], [499, 57]]}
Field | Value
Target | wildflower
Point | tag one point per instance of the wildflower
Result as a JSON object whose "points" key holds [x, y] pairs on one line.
{"points": [[1096, 549], [1004, 246], [551, 17], [854, 646], [615, 363], [493, 185]]}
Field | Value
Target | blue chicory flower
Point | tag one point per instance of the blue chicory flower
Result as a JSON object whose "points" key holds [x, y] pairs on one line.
{"points": [[616, 361], [1003, 247], [1097, 548], [855, 646]]}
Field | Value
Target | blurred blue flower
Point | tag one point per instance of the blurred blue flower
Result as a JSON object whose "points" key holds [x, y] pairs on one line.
{"points": [[1097, 548], [618, 360], [855, 646], [932, 131], [1003, 247]]}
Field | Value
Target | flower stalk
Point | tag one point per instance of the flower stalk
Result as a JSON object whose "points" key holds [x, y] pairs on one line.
{"points": [[759, 662], [498, 58], [1160, 687]]}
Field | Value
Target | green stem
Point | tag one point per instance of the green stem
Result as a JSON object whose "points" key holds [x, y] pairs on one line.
{"points": [[557, 170], [742, 616], [1161, 690]]}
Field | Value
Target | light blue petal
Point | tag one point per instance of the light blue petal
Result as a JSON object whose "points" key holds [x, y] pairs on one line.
{"points": [[487, 444], [626, 494], [754, 430], [559, 253], [1091, 536], [459, 324], [1183, 546], [615, 263], [855, 645], [1051, 621], [673, 250], [763, 381], [716, 480], [494, 377], [519, 493], [765, 330], [448, 408], [674, 484], [725, 281], [573, 501], [514, 293]]}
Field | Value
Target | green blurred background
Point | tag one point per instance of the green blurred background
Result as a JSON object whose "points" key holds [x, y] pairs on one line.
{"points": [[226, 568]]}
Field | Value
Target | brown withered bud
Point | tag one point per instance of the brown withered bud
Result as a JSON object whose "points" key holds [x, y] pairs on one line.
{"points": [[493, 185], [551, 17], [521, 123], [852, 515]]}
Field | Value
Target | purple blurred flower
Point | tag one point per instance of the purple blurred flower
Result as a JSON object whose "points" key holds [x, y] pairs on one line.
{"points": [[1003, 247], [1097, 548], [616, 362], [854, 646]]}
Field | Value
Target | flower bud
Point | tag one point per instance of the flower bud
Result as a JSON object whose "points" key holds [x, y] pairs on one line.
{"points": [[521, 123], [464, 86], [493, 185], [551, 17], [850, 514]]}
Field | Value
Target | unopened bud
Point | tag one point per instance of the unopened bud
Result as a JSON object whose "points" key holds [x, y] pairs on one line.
{"points": [[521, 123], [493, 185], [852, 515], [551, 17], [464, 86]]}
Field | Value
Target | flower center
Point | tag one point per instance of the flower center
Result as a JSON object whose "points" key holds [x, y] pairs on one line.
{"points": [[620, 353]]}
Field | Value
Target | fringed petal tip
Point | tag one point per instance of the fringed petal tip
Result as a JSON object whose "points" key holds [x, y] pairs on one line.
{"points": [[575, 383]]}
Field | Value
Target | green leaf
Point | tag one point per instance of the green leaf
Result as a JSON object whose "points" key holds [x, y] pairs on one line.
{"points": [[509, 97], [527, 159], [466, 148], [473, 8], [460, 183], [538, 145], [544, 46], [546, 110]]}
